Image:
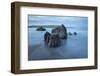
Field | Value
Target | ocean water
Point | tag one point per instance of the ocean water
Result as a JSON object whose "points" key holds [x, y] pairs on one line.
{"points": [[74, 47]]}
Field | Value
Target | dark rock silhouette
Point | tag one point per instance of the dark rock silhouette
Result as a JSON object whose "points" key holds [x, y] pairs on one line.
{"points": [[75, 33], [52, 40], [55, 40], [47, 37], [70, 33], [40, 28], [61, 30]]}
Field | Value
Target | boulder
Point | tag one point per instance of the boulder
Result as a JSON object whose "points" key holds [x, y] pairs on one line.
{"points": [[61, 30], [55, 40], [47, 37], [75, 33]]}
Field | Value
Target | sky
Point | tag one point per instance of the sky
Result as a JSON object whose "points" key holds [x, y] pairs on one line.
{"points": [[68, 21]]}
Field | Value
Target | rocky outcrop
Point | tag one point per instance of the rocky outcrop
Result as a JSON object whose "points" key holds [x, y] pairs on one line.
{"points": [[47, 37], [54, 39], [70, 33], [61, 30], [40, 28]]}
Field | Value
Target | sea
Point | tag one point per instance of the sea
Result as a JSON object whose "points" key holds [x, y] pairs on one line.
{"points": [[74, 47]]}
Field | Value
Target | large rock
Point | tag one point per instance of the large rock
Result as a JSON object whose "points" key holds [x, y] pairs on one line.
{"points": [[52, 40], [61, 30], [47, 37], [55, 40]]}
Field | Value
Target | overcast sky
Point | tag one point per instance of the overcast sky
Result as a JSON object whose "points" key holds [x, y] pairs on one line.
{"points": [[68, 21]]}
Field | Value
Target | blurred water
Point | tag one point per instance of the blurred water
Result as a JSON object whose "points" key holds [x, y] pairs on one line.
{"points": [[74, 47]]}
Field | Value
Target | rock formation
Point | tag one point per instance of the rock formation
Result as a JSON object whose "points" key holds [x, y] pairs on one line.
{"points": [[47, 37], [70, 33], [61, 30], [40, 28], [54, 39]]}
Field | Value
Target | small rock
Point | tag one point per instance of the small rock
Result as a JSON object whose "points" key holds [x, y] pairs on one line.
{"points": [[75, 33], [70, 33], [40, 28]]}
